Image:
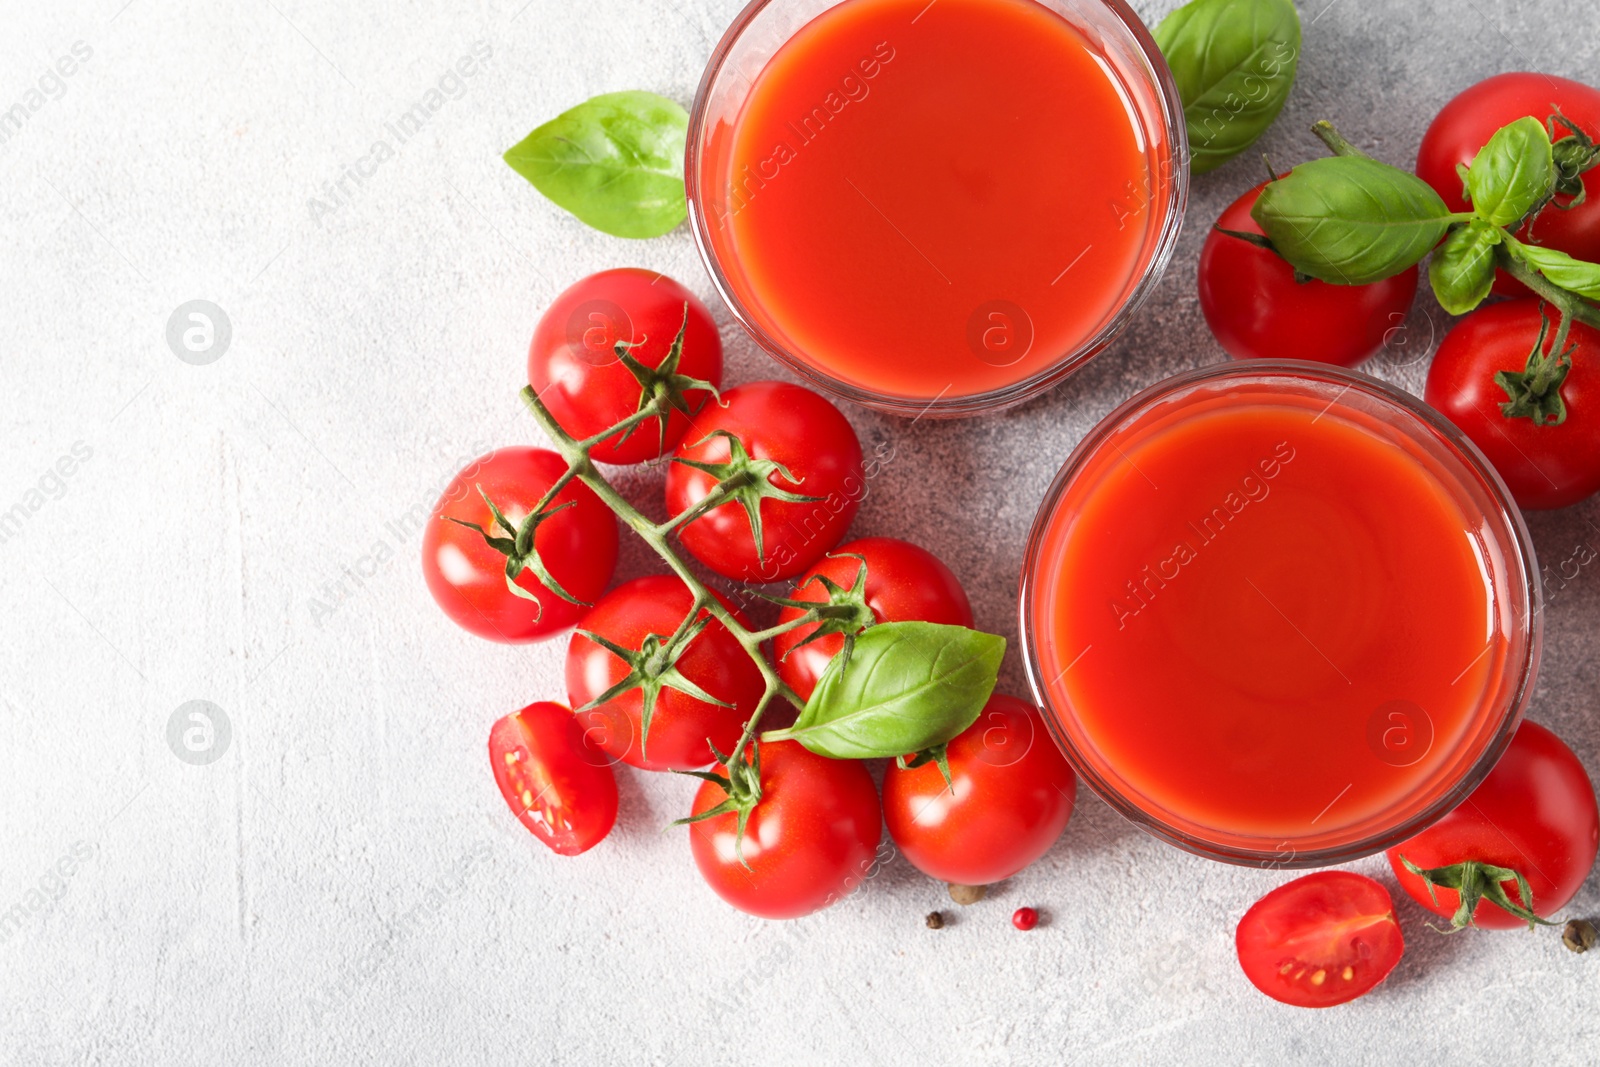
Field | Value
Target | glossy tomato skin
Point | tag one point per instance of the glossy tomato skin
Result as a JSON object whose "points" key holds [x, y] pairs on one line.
{"points": [[905, 583], [1320, 940], [683, 728], [1534, 813], [558, 784], [1464, 126], [1257, 310], [809, 841], [815, 443], [1012, 795], [572, 362], [1543, 466], [467, 577]]}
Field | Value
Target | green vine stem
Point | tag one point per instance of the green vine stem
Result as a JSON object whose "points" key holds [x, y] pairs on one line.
{"points": [[582, 468], [1573, 307]]}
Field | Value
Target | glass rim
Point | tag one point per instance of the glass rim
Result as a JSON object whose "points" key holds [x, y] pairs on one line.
{"points": [[939, 406], [1510, 708]]}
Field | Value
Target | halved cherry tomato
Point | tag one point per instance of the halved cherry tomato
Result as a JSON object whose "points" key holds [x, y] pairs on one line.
{"points": [[574, 367], [467, 575], [807, 436], [809, 842], [1535, 813], [1010, 795], [904, 584], [1320, 940], [683, 727], [558, 784]]}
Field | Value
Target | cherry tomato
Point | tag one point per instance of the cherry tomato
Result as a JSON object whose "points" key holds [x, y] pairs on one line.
{"points": [[467, 576], [556, 782], [573, 364], [1010, 796], [682, 727], [795, 428], [1535, 813], [1465, 124], [1544, 466], [1258, 311], [904, 584], [1320, 940], [809, 841]]}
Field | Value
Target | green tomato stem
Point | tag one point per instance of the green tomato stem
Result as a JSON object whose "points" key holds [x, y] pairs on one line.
{"points": [[1571, 304], [579, 466]]}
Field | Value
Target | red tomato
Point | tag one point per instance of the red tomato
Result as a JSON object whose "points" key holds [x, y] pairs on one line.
{"points": [[573, 365], [1258, 311], [1544, 466], [1320, 940], [1464, 126], [555, 781], [1534, 813], [467, 576], [796, 429], [682, 728], [1010, 796], [904, 584], [809, 841]]}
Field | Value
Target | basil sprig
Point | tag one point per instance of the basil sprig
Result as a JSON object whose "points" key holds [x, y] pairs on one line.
{"points": [[1573, 275], [1234, 62], [615, 161], [1513, 174], [1462, 270], [907, 686]]}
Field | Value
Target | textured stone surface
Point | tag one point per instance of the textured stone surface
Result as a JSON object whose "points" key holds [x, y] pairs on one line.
{"points": [[344, 883]]}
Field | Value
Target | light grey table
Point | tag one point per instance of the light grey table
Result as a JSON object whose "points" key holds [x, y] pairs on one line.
{"points": [[344, 884]]}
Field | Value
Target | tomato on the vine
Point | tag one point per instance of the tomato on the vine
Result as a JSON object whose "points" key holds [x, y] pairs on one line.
{"points": [[1464, 126], [1257, 310], [809, 841], [1010, 795], [1534, 814], [904, 583], [1320, 940], [791, 444], [574, 367], [1544, 466], [577, 545], [641, 616], [555, 781]]}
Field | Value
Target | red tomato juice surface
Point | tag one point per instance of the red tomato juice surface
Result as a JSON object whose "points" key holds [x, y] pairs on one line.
{"points": [[1268, 619], [935, 199]]}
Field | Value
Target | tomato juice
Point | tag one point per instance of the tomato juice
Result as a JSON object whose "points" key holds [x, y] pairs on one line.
{"points": [[1279, 614], [919, 202]]}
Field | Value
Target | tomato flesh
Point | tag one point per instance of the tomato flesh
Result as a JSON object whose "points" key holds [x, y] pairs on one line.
{"points": [[558, 784], [1320, 940]]}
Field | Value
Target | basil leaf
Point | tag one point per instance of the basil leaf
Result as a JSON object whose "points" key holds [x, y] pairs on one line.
{"points": [[616, 162], [1512, 173], [1234, 62], [907, 686], [1462, 270], [1351, 220], [1573, 275]]}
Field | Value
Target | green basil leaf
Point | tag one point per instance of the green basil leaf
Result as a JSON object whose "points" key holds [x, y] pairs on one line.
{"points": [[1234, 63], [1462, 270], [1351, 220], [1573, 275], [907, 686], [616, 162], [1512, 173]]}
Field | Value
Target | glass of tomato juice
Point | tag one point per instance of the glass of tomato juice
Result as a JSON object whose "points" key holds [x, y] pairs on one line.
{"points": [[936, 208], [1280, 613]]}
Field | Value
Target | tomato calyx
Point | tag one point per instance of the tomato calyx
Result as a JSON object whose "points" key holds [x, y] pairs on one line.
{"points": [[936, 754], [742, 784], [519, 549], [743, 480], [1574, 152], [1535, 391], [1473, 882], [662, 389], [845, 612], [651, 668]]}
